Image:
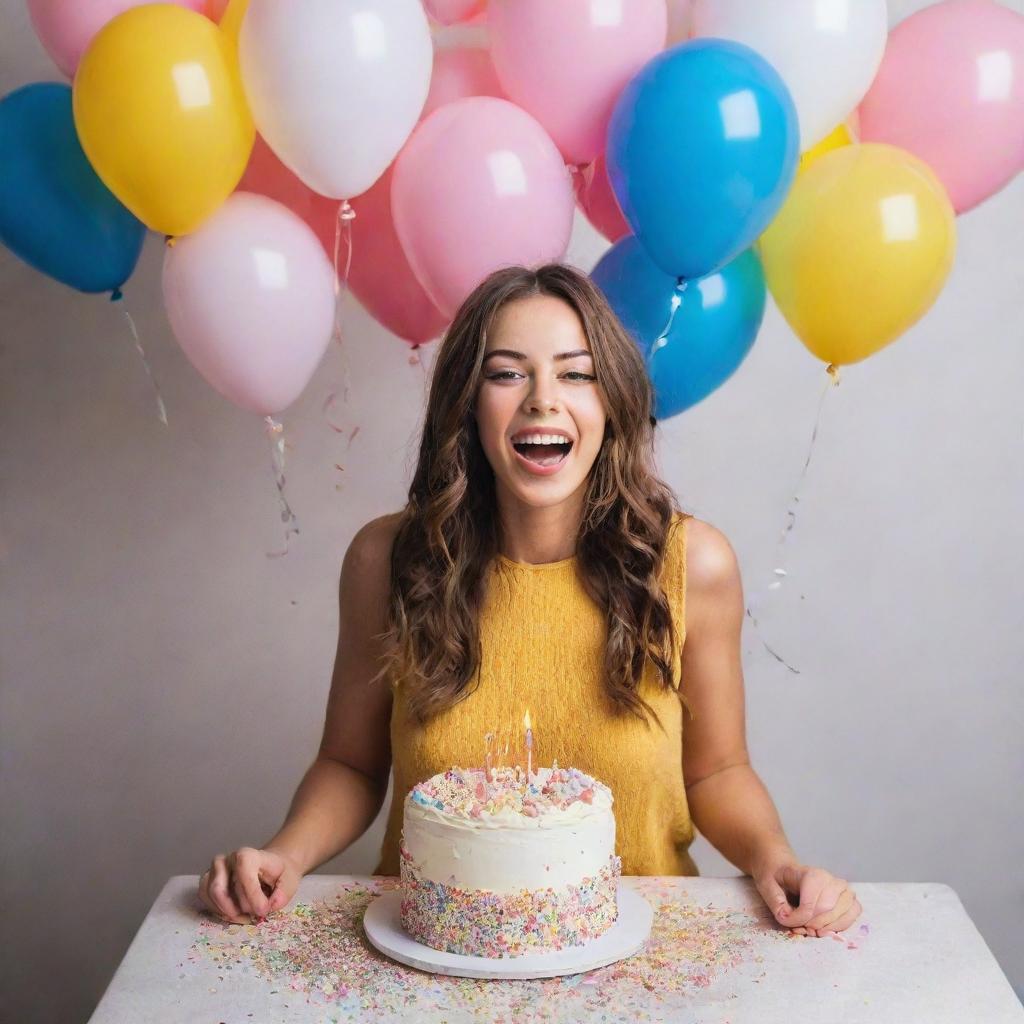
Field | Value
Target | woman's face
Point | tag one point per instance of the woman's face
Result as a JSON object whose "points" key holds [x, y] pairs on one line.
{"points": [[538, 380]]}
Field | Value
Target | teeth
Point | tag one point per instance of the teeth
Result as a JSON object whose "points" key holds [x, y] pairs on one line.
{"points": [[542, 439]]}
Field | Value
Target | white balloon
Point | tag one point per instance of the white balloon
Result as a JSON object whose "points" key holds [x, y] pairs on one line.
{"points": [[827, 51], [336, 86]]}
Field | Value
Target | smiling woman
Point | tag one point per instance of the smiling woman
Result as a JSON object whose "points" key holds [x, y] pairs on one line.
{"points": [[540, 565]]}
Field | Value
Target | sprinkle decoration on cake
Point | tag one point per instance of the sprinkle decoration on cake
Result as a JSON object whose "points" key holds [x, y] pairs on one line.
{"points": [[493, 865]]}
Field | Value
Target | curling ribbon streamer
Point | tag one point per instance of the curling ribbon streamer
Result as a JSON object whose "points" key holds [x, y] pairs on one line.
{"points": [[118, 296], [343, 222], [833, 381], [275, 431], [662, 339]]}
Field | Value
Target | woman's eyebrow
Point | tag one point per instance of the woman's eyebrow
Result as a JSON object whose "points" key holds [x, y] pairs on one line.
{"points": [[512, 354]]}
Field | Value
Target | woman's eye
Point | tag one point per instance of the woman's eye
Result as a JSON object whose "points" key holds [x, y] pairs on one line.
{"points": [[509, 374]]}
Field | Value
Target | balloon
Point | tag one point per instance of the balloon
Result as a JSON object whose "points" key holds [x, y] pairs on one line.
{"points": [[449, 12], [951, 91], [458, 72], [230, 19], [161, 115], [860, 250], [381, 276], [712, 331], [702, 148], [826, 53], [837, 138], [336, 86], [250, 298], [598, 202], [54, 212], [66, 27], [566, 62], [478, 186], [267, 176]]}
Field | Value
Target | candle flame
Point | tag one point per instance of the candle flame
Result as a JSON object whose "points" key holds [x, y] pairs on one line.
{"points": [[526, 721]]}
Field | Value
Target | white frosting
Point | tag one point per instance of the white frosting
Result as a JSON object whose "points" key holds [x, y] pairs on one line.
{"points": [[508, 851]]}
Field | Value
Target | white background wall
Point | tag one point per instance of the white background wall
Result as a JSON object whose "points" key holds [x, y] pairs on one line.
{"points": [[163, 681]]}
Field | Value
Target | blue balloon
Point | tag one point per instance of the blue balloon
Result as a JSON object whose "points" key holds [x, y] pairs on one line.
{"points": [[713, 325], [55, 213], [702, 148]]}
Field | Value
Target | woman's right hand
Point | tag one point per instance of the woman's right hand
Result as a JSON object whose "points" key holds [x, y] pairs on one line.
{"points": [[248, 884]]}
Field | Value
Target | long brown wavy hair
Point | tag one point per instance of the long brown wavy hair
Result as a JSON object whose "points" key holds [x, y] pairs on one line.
{"points": [[447, 533]]}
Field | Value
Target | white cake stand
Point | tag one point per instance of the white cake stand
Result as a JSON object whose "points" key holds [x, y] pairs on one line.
{"points": [[627, 936]]}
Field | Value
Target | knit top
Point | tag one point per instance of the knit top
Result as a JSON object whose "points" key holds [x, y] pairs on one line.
{"points": [[542, 641]]}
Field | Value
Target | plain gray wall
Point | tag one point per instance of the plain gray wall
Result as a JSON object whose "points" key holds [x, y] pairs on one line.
{"points": [[163, 680]]}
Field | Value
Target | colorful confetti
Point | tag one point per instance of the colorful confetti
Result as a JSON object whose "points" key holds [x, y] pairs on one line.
{"points": [[469, 793], [319, 950], [481, 923]]}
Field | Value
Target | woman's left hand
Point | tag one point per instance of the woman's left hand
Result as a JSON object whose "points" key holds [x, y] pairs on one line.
{"points": [[827, 904]]}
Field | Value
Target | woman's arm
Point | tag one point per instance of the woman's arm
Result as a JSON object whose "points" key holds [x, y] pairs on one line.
{"points": [[343, 790], [728, 802]]}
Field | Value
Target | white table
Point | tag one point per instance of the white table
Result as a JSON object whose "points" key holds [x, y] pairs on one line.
{"points": [[715, 955]]}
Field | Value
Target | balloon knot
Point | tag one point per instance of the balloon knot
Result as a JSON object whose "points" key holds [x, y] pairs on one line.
{"points": [[170, 240], [116, 295], [833, 371], [345, 211]]}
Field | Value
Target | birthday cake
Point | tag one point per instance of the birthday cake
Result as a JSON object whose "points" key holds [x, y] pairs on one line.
{"points": [[493, 866]]}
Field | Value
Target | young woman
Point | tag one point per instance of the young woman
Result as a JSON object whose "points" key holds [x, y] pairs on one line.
{"points": [[540, 564]]}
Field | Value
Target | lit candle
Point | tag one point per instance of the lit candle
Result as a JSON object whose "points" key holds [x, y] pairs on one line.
{"points": [[529, 746], [488, 739]]}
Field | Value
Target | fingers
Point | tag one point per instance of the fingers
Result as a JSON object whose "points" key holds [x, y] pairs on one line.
{"points": [[818, 890], [216, 895], [775, 897], [838, 925], [247, 882], [827, 918]]}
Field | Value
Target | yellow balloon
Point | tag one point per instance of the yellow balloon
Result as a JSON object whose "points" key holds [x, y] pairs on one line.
{"points": [[161, 115], [231, 20], [860, 250], [836, 139]]}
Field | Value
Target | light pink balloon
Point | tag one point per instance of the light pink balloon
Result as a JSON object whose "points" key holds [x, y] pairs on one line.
{"points": [[250, 298], [951, 91], [566, 62], [459, 72], [598, 202], [478, 186], [66, 27], [381, 276], [449, 12]]}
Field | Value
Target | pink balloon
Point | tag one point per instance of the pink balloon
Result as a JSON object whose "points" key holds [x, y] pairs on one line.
{"points": [[448, 12], [951, 91], [460, 72], [381, 277], [250, 298], [566, 62], [479, 185], [598, 202], [66, 27]]}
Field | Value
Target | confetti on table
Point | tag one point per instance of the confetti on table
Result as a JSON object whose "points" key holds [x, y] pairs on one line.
{"points": [[319, 950]]}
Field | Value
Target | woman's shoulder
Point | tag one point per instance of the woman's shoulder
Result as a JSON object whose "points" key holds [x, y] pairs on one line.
{"points": [[712, 568], [369, 553]]}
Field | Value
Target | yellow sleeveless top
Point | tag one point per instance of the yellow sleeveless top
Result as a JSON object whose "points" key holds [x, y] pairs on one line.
{"points": [[542, 642]]}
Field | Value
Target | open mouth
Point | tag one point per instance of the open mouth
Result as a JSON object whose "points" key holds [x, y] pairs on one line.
{"points": [[543, 454]]}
